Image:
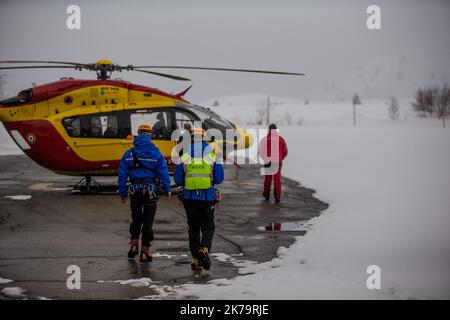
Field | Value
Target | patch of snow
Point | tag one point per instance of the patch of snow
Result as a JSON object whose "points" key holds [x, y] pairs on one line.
{"points": [[142, 282], [13, 292], [19, 197], [162, 292], [163, 255], [3, 281], [243, 265]]}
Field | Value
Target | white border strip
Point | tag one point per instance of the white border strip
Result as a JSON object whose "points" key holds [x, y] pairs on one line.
{"points": [[19, 140]]}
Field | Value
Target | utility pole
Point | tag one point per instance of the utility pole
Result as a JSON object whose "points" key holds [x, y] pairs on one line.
{"points": [[268, 110], [354, 115], [356, 100], [444, 116]]}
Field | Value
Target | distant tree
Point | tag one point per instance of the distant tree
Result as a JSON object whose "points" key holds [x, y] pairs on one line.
{"points": [[216, 103], [356, 100], [419, 103], [260, 115], [431, 98], [443, 103], [432, 102], [394, 108], [306, 102], [288, 119], [300, 121]]}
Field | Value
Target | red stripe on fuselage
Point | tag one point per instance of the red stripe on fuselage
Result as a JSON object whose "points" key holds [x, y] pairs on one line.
{"points": [[51, 151]]}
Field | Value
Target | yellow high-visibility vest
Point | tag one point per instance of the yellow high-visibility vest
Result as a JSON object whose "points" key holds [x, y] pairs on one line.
{"points": [[198, 171]]}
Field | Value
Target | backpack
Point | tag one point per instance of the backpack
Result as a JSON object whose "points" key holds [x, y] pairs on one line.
{"points": [[138, 164]]}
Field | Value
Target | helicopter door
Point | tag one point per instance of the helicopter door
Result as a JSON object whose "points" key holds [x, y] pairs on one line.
{"points": [[161, 122], [184, 121]]}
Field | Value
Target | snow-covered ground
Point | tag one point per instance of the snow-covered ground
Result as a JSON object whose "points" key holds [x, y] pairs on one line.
{"points": [[387, 184], [7, 145]]}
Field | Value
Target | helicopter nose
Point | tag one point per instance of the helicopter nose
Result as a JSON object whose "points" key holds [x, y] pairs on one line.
{"points": [[3, 113], [248, 139]]}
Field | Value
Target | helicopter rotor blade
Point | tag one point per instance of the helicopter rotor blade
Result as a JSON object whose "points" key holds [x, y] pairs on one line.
{"points": [[114, 67], [222, 69], [37, 67], [50, 62], [162, 74]]}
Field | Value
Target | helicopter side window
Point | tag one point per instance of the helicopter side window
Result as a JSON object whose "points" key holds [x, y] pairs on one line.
{"points": [[85, 126], [124, 125], [105, 126], [184, 121], [112, 127], [160, 121], [25, 95], [72, 126], [97, 126]]}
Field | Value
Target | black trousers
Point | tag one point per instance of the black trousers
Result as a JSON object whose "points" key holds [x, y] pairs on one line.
{"points": [[200, 217], [143, 211]]}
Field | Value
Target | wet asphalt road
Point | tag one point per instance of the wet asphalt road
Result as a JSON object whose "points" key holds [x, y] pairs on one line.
{"points": [[42, 236]]}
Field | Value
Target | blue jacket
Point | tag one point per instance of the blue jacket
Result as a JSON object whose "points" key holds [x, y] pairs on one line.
{"points": [[150, 157], [203, 195]]}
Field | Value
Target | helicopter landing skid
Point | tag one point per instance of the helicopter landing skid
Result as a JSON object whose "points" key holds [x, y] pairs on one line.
{"points": [[88, 185]]}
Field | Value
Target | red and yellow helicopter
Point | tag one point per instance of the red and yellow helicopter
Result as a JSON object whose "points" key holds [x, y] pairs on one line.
{"points": [[82, 127]]}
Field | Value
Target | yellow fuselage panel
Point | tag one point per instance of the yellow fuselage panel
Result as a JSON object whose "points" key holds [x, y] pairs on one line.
{"points": [[90, 97]]}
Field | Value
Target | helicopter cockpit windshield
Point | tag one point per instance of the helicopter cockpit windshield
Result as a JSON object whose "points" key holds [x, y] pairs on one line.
{"points": [[211, 120], [22, 97]]}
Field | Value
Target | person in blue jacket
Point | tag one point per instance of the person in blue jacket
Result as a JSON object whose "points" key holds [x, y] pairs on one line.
{"points": [[199, 172], [147, 170]]}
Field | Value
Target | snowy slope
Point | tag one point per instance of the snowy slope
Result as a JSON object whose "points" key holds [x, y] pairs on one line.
{"points": [[244, 109], [387, 185], [390, 75]]}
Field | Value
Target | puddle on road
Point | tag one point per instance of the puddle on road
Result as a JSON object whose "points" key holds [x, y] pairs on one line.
{"points": [[47, 187], [287, 226]]}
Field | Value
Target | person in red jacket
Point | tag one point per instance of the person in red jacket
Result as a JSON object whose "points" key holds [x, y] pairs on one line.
{"points": [[273, 161]]}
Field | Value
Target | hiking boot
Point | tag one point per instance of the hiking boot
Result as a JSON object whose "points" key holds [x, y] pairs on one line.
{"points": [[203, 257], [134, 249], [145, 255], [195, 265]]}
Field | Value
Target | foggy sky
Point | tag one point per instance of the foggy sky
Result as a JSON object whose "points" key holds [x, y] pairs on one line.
{"points": [[328, 40]]}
